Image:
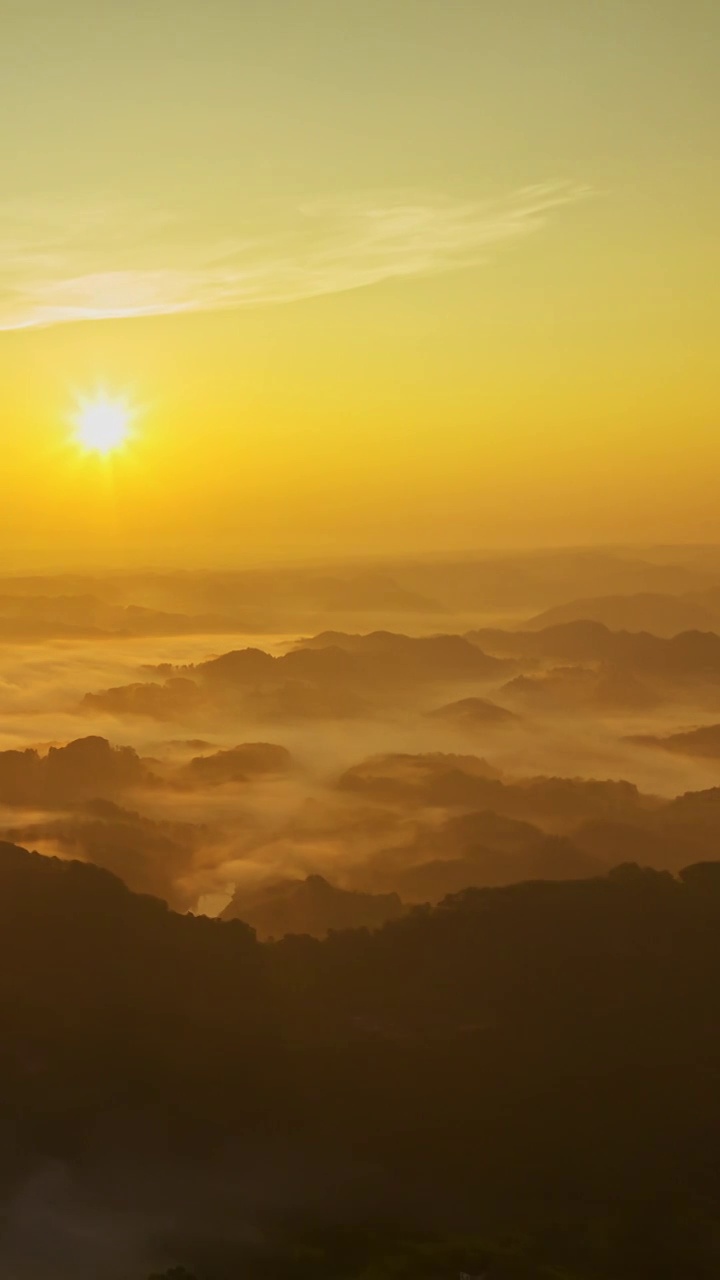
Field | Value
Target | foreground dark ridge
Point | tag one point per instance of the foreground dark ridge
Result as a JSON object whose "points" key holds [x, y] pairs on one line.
{"points": [[511, 1058]]}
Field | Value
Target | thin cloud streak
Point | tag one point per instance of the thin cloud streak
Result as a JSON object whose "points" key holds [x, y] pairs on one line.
{"points": [[93, 264]]}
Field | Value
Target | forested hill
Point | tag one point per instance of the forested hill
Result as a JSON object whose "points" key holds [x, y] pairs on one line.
{"points": [[541, 1052]]}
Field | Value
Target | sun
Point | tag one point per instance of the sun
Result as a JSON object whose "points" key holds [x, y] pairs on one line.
{"points": [[102, 424]]}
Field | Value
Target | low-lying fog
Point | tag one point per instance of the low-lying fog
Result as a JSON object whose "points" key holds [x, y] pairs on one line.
{"points": [[393, 745]]}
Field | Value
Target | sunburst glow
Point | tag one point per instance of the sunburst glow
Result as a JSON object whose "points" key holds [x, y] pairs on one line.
{"points": [[103, 423]]}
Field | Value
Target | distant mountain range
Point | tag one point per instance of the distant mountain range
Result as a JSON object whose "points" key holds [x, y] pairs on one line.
{"points": [[662, 590], [661, 614]]}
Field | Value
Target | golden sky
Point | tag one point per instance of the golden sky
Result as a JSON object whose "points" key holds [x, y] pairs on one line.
{"points": [[377, 274]]}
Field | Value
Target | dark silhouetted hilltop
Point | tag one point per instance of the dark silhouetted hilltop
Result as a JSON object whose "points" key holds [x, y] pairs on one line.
{"points": [[85, 768], [251, 759], [552, 1035], [468, 782], [661, 615], [174, 699], [703, 742], [312, 906], [472, 713], [422, 657]]}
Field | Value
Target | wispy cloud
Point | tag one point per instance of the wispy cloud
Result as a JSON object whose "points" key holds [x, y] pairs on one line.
{"points": [[60, 264]]}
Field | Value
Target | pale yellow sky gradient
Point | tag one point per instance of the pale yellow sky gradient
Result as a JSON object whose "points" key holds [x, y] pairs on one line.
{"points": [[405, 274]]}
